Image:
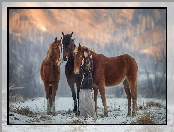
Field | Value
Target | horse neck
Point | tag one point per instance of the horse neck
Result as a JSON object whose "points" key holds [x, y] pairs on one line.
{"points": [[70, 58], [51, 60], [94, 55]]}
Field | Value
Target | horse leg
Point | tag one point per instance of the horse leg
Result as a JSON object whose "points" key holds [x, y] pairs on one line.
{"points": [[71, 84], [78, 90], [49, 100], [101, 87], [134, 99], [47, 97], [127, 90], [46, 90], [95, 98], [133, 87], [70, 80], [54, 88]]}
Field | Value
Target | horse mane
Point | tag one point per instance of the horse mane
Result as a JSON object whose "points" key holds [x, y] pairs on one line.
{"points": [[82, 47], [90, 49], [49, 52]]}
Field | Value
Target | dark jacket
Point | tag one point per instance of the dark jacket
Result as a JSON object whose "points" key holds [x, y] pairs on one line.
{"points": [[88, 60]]}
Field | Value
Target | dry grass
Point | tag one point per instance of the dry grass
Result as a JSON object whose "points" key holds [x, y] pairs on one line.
{"points": [[35, 119], [45, 117], [152, 103], [146, 118], [141, 107], [23, 111], [77, 122]]}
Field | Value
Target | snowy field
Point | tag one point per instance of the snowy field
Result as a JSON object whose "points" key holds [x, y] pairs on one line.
{"points": [[117, 108], [34, 112]]}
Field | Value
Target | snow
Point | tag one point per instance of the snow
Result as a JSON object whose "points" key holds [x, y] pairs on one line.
{"points": [[117, 114], [65, 104]]}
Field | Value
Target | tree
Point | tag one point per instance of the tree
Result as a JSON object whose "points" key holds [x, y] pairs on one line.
{"points": [[159, 73]]}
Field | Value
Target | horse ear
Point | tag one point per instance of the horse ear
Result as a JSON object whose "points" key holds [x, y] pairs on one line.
{"points": [[79, 46], [55, 39], [71, 34], [74, 46], [62, 33]]}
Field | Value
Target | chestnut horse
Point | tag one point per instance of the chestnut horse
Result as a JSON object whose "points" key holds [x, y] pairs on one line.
{"points": [[68, 48], [50, 73], [110, 71]]}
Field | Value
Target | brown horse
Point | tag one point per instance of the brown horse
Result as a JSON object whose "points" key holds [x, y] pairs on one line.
{"points": [[50, 73], [110, 71], [68, 48]]}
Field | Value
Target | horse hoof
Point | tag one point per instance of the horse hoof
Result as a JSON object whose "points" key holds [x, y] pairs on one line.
{"points": [[74, 111], [128, 114], [77, 113]]}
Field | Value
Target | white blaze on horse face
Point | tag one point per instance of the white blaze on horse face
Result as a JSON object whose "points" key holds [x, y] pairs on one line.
{"points": [[59, 61], [59, 48]]}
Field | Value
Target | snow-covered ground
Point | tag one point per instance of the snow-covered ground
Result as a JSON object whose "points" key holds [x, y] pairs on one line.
{"points": [[117, 115]]}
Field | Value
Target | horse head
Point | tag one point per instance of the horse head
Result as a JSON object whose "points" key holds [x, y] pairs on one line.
{"points": [[78, 56], [56, 48], [66, 41]]}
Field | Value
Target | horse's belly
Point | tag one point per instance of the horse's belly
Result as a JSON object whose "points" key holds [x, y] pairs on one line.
{"points": [[113, 80]]}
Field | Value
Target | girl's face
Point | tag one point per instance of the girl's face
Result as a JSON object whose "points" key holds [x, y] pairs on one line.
{"points": [[85, 54]]}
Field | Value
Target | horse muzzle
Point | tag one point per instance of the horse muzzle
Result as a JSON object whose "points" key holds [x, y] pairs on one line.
{"points": [[64, 58], [76, 71]]}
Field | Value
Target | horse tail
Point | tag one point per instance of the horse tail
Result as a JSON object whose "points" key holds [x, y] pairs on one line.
{"points": [[132, 68]]}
